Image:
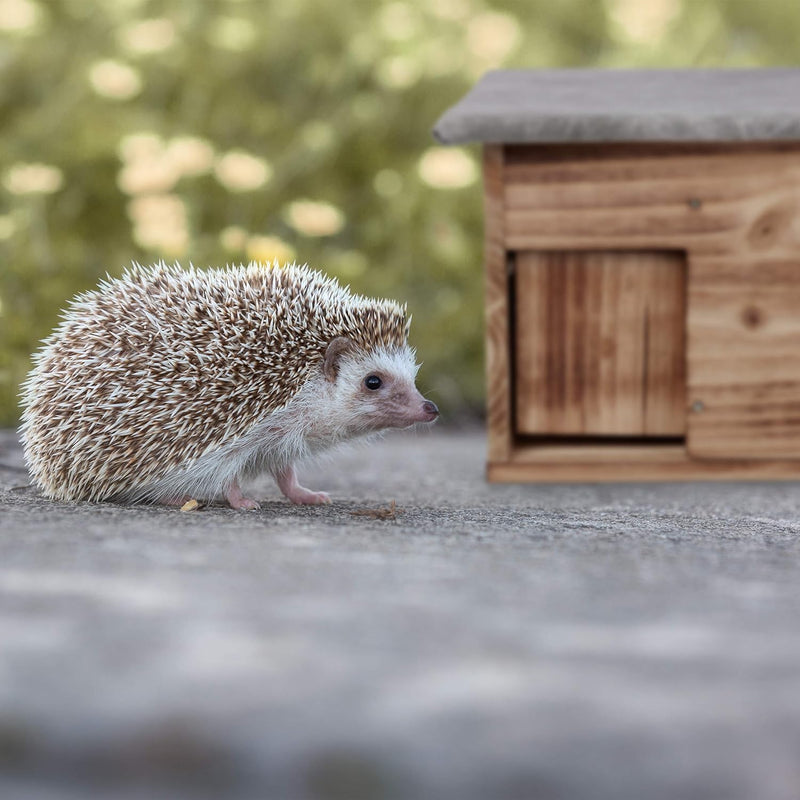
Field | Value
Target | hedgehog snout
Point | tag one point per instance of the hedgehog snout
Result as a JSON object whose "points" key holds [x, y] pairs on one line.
{"points": [[410, 407], [426, 410], [431, 409]]}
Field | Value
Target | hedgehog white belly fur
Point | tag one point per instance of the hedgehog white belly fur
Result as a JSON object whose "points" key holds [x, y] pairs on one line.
{"points": [[169, 383]]}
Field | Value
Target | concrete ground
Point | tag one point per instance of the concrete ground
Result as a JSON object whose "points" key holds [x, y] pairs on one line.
{"points": [[628, 641]]}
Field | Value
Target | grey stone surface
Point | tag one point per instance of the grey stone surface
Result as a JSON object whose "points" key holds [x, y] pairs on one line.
{"points": [[590, 641], [581, 105]]}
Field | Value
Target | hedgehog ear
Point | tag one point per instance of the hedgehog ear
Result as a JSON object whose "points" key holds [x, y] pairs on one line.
{"points": [[335, 350]]}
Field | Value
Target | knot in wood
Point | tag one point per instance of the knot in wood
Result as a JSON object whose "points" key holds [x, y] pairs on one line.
{"points": [[752, 316], [769, 227]]}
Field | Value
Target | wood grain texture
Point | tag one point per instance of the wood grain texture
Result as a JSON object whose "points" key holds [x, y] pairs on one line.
{"points": [[705, 200], [600, 343], [744, 358], [498, 312]]}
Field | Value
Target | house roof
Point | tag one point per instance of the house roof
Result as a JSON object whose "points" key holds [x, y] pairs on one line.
{"points": [[582, 105]]}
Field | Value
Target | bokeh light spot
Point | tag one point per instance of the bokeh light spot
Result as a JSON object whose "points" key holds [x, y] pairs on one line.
{"points": [[267, 249], [148, 36], [492, 35], [19, 16], [115, 80], [643, 22], [446, 168], [33, 179], [239, 171], [233, 238], [314, 218], [190, 155], [160, 223], [232, 33], [399, 72]]}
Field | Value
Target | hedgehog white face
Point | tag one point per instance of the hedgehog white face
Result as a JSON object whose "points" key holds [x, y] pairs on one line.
{"points": [[375, 391]]}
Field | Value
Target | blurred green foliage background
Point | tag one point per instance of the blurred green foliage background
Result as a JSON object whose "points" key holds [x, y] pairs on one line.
{"points": [[221, 131]]}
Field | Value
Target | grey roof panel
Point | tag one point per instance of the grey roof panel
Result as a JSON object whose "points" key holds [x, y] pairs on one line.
{"points": [[580, 105]]}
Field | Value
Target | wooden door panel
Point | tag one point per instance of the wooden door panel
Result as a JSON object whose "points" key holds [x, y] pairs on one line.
{"points": [[600, 343]]}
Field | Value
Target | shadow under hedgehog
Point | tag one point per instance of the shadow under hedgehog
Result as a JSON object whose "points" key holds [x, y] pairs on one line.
{"points": [[168, 383]]}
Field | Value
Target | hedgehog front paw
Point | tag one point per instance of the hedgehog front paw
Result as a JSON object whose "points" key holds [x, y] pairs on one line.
{"points": [[287, 483], [245, 504], [306, 497], [238, 501]]}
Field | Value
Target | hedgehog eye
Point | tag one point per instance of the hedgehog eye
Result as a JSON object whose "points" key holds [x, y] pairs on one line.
{"points": [[372, 382]]}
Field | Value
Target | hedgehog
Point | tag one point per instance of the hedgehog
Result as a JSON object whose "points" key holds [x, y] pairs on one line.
{"points": [[168, 383]]}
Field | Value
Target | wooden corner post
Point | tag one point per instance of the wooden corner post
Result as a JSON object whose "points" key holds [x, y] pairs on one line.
{"points": [[498, 334]]}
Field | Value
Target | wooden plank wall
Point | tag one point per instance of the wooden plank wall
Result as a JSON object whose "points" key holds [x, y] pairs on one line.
{"points": [[734, 210], [744, 358], [704, 199]]}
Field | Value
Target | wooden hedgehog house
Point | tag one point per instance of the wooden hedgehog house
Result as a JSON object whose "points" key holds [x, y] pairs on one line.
{"points": [[642, 272]]}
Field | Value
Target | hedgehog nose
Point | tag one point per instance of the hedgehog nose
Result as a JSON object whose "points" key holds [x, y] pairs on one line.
{"points": [[430, 408]]}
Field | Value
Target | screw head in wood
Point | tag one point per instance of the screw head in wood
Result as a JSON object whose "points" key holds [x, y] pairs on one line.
{"points": [[698, 406], [694, 203]]}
